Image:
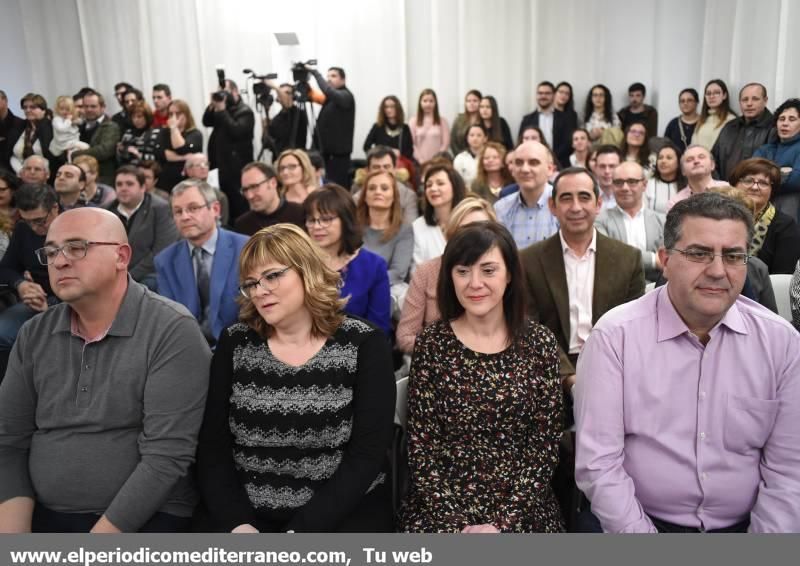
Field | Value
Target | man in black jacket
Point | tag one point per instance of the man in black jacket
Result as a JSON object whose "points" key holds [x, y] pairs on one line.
{"points": [[740, 138], [230, 146], [11, 127], [289, 127], [333, 136], [556, 126]]}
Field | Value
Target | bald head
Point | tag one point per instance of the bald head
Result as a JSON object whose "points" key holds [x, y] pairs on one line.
{"points": [[533, 165], [93, 224]]}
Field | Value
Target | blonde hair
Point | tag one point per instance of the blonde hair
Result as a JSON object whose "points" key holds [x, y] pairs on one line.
{"points": [[89, 161], [466, 206], [66, 101], [739, 195], [395, 213], [305, 165], [290, 246]]}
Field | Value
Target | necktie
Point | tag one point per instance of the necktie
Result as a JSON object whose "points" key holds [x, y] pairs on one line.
{"points": [[198, 254]]}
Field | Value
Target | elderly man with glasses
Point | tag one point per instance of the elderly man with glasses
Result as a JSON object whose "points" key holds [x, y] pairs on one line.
{"points": [[19, 268], [104, 395], [687, 399], [201, 271]]}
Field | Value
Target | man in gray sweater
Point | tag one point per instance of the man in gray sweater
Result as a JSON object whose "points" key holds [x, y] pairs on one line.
{"points": [[103, 397]]}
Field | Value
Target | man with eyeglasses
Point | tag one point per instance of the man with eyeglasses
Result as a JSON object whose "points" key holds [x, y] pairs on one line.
{"points": [[104, 395], [697, 165], [147, 220], [267, 206], [19, 268], [201, 271], [687, 399], [631, 222]]}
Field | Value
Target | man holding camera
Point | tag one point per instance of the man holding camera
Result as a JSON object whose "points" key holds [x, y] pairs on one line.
{"points": [[333, 136], [289, 127], [230, 146]]}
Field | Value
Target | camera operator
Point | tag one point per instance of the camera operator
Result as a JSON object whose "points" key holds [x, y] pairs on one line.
{"points": [[230, 146], [289, 119], [333, 136]]}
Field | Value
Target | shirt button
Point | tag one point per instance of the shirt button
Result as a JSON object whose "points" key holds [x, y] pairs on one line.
{"points": [[704, 476], [702, 395], [87, 366], [84, 389], [700, 510], [702, 435]]}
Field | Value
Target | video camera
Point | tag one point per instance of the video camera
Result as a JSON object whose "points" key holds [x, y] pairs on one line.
{"points": [[222, 94], [300, 77], [260, 88]]}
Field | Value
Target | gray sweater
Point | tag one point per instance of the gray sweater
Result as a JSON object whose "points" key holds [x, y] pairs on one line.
{"points": [[397, 251], [107, 427]]}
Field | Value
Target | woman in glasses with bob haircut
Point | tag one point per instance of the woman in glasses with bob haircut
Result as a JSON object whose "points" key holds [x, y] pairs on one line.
{"points": [[300, 409]]}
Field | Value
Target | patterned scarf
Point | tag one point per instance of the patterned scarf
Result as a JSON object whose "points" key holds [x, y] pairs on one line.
{"points": [[762, 223]]}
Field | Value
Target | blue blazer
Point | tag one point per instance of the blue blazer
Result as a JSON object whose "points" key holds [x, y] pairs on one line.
{"points": [[176, 279]]}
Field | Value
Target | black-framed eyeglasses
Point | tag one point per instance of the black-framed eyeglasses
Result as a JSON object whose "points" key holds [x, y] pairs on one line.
{"points": [[268, 282], [707, 257], [750, 182], [630, 182], [192, 210], [39, 222], [247, 188], [322, 221], [73, 251]]}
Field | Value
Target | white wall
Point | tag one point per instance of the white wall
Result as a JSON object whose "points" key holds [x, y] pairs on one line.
{"points": [[502, 47]]}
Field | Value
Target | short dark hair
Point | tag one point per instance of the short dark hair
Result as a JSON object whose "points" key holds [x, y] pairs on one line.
{"points": [[637, 87], [571, 172], [163, 88], [267, 170], [31, 196], [83, 92], [608, 148], [316, 159], [379, 152], [81, 172], [547, 83], [705, 205], [691, 91], [787, 105], [126, 86], [338, 70], [132, 170], [456, 181], [466, 247], [755, 166], [136, 92], [11, 180], [333, 199], [151, 165]]}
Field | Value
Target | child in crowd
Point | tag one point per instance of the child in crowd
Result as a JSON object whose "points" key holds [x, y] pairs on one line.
{"points": [[65, 128]]}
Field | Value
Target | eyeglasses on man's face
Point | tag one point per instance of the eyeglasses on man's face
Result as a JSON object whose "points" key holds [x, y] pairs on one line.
{"points": [[247, 188], [268, 282], [707, 257], [73, 251], [619, 183], [192, 209]]}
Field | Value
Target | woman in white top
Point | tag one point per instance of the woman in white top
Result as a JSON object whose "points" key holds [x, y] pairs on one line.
{"points": [[716, 113], [581, 147], [598, 113], [466, 162], [430, 131], [667, 179], [444, 189]]}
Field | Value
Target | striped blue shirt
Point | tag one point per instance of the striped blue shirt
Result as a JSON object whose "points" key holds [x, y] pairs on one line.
{"points": [[527, 225]]}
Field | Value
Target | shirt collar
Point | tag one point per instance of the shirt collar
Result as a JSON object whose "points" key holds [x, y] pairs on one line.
{"points": [[628, 216], [210, 245], [124, 322], [592, 245], [542, 202], [671, 325]]}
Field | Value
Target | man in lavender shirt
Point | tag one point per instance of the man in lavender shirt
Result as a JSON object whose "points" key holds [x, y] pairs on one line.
{"points": [[687, 400]]}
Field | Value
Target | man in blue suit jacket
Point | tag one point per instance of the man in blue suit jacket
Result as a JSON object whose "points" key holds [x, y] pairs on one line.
{"points": [[201, 271]]}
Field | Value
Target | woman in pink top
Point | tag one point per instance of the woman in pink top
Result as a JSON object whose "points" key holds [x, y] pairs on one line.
{"points": [[419, 308], [430, 131]]}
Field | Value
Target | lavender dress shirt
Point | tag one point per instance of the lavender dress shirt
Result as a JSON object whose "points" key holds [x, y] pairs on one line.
{"points": [[699, 436]]}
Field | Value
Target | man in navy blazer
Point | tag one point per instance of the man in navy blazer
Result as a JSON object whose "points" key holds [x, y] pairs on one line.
{"points": [[201, 271]]}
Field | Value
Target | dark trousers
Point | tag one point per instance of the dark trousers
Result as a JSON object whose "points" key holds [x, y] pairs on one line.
{"points": [[588, 523], [48, 521], [337, 169]]}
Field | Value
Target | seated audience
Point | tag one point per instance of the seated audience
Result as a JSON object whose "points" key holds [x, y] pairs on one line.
{"points": [[267, 205], [384, 233], [429, 130], [331, 222], [419, 309], [34, 136], [715, 113], [466, 162], [301, 402], [196, 167], [138, 143], [484, 402], [390, 129], [496, 127], [66, 135], [179, 139], [151, 171], [673, 372], [148, 223], [296, 175], [667, 179], [697, 165], [470, 116], [101, 133], [599, 117], [382, 158], [444, 189], [493, 173], [69, 186], [776, 240], [785, 153], [96, 194], [201, 270], [581, 146], [630, 221], [681, 128], [101, 436], [20, 270]]}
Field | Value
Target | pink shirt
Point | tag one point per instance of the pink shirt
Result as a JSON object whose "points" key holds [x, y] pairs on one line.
{"points": [[699, 436], [420, 308], [686, 192], [429, 138]]}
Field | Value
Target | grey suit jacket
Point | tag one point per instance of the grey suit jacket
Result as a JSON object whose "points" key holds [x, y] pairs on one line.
{"points": [[611, 222]]}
